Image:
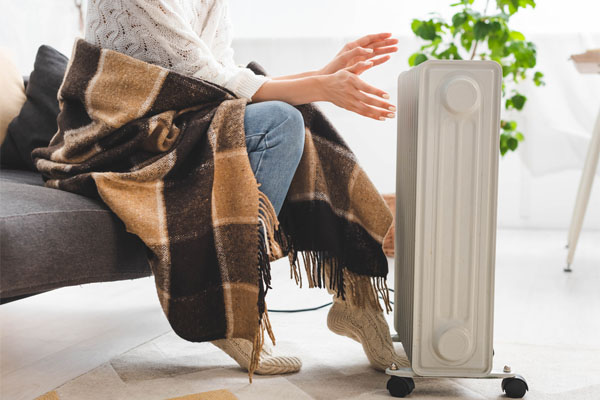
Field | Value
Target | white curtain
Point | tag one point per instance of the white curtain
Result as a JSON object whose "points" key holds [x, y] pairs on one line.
{"points": [[560, 116]]}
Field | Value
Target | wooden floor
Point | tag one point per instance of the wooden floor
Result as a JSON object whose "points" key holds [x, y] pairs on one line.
{"points": [[50, 339]]}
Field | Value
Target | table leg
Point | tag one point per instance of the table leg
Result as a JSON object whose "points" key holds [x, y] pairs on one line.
{"points": [[583, 194]]}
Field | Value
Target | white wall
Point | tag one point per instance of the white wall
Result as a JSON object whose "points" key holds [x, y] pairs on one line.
{"points": [[537, 185], [325, 18], [27, 24]]}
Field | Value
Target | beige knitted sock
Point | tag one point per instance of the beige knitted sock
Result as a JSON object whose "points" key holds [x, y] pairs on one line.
{"points": [[360, 318], [370, 329], [241, 351]]}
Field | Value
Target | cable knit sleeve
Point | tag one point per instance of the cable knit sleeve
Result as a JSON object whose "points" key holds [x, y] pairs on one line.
{"points": [[157, 31], [248, 82]]}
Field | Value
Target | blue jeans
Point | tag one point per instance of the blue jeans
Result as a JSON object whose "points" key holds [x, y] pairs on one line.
{"points": [[275, 141]]}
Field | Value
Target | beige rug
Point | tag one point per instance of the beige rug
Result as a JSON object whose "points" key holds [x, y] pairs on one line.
{"points": [[334, 368], [212, 395], [546, 328]]}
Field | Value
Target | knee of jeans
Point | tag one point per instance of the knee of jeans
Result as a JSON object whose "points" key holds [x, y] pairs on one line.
{"points": [[294, 134], [297, 130]]}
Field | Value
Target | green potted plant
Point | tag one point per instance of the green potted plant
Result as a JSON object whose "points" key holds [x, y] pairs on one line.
{"points": [[486, 35]]}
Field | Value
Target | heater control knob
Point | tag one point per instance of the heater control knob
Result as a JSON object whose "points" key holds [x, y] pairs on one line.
{"points": [[453, 344], [461, 95]]}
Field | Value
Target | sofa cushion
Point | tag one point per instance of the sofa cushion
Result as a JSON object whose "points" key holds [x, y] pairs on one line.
{"points": [[12, 92], [20, 176], [51, 238], [36, 123]]}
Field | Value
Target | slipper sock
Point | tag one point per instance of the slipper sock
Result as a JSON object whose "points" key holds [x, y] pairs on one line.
{"points": [[241, 350], [369, 328]]}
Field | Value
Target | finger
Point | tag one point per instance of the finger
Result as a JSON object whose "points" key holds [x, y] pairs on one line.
{"points": [[373, 38], [382, 43], [367, 40], [384, 50], [349, 46], [360, 67], [358, 54], [383, 106], [368, 111], [365, 87], [380, 60], [378, 52], [362, 109]]}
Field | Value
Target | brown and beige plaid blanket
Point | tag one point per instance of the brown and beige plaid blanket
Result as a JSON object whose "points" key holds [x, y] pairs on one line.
{"points": [[167, 154]]}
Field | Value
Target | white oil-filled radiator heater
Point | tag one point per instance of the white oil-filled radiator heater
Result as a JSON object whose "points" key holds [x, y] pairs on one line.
{"points": [[446, 200]]}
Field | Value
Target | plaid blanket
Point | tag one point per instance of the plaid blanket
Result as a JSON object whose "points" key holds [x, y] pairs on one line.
{"points": [[167, 154]]}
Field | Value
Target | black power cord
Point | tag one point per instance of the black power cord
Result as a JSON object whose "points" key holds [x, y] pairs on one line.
{"points": [[312, 308], [302, 309]]}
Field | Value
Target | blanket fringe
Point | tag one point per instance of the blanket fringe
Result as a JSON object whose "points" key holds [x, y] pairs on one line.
{"points": [[258, 343], [318, 264], [268, 217], [381, 288], [267, 220]]}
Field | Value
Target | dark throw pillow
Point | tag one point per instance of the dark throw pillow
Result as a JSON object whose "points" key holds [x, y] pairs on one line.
{"points": [[36, 123]]}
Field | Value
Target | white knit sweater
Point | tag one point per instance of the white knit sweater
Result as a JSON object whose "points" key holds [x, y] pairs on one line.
{"points": [[192, 37]]}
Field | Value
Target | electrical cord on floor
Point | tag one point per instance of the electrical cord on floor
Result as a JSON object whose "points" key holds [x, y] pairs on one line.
{"points": [[302, 309], [313, 308]]}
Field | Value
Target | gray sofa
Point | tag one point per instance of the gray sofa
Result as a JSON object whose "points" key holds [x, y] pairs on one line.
{"points": [[51, 238]]}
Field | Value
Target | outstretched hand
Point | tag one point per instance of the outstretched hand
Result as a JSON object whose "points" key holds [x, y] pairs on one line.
{"points": [[345, 89], [365, 48], [339, 81]]}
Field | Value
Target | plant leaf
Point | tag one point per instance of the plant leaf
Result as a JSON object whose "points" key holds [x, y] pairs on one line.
{"points": [[421, 58], [515, 35], [459, 18], [425, 29], [537, 79], [480, 29], [518, 101]]}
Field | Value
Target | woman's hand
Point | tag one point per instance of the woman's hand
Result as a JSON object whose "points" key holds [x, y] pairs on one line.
{"points": [[339, 81], [345, 89], [362, 49]]}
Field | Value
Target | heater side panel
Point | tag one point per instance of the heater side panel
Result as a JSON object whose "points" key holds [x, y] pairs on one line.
{"points": [[406, 182]]}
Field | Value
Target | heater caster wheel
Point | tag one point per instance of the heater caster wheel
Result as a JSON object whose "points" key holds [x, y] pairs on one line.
{"points": [[400, 387], [515, 388]]}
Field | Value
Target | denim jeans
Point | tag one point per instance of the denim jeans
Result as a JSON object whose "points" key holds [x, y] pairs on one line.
{"points": [[275, 141]]}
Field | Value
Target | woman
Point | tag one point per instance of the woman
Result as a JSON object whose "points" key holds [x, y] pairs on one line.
{"points": [[193, 37]]}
